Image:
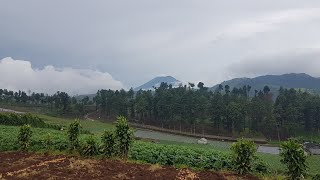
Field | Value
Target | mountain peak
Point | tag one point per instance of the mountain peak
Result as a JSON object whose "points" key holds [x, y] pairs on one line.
{"points": [[155, 82]]}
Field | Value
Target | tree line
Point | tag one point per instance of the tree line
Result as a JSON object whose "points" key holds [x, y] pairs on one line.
{"points": [[60, 103], [223, 111]]}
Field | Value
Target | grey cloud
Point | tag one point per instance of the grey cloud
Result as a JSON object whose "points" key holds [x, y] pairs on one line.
{"points": [[137, 40], [303, 61]]}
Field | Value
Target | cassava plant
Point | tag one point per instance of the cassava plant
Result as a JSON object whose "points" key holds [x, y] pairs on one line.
{"points": [[24, 137], [73, 135], [108, 143], [124, 136], [243, 155], [89, 148], [294, 158], [47, 142]]}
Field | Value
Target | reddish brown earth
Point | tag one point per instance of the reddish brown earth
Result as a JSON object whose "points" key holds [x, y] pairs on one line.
{"points": [[18, 165]]}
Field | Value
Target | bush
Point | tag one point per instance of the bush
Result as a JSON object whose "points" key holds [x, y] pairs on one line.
{"points": [[47, 142], [108, 144], [260, 167], [90, 147], [13, 119], [73, 135], [124, 136], [243, 156], [24, 137], [316, 177], [179, 156], [293, 157]]}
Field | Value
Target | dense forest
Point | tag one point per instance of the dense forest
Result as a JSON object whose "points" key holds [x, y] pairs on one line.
{"points": [[224, 111], [193, 109]]}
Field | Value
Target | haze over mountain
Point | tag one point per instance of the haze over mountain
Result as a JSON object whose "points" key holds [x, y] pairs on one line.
{"points": [[155, 82], [293, 80]]}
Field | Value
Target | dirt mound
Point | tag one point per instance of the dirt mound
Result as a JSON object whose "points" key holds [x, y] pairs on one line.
{"points": [[35, 166]]}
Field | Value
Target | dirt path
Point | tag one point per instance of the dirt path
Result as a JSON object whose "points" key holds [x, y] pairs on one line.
{"points": [[86, 117], [34, 166], [10, 111]]}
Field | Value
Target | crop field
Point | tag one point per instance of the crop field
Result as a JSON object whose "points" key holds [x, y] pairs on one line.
{"points": [[38, 166], [165, 152], [168, 149]]}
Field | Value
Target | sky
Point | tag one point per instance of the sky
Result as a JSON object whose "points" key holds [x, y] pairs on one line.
{"points": [[80, 46]]}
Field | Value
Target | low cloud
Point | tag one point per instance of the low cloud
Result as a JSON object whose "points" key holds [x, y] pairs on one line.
{"points": [[20, 75], [291, 62]]}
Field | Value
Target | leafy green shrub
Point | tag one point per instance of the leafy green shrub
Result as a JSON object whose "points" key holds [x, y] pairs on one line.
{"points": [[316, 177], [8, 133], [24, 137], [14, 119], [260, 167], [178, 155], [73, 135], [47, 142], [243, 156], [89, 148], [293, 157], [108, 143], [124, 136]]}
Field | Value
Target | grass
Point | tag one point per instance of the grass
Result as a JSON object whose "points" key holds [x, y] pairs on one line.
{"points": [[312, 137], [216, 145], [8, 142], [166, 138], [25, 108], [96, 127], [273, 161]]}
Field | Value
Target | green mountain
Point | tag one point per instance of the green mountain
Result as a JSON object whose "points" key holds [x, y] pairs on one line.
{"points": [[301, 81]]}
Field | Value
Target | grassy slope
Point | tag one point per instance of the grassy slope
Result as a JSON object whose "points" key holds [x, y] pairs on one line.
{"points": [[95, 127]]}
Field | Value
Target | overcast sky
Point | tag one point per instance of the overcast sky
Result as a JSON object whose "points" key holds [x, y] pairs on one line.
{"points": [[80, 46]]}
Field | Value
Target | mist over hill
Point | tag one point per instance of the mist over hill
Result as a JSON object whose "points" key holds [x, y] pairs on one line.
{"points": [[301, 81]]}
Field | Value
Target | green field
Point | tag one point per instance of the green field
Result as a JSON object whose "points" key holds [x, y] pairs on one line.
{"points": [[168, 149], [8, 142], [95, 127]]}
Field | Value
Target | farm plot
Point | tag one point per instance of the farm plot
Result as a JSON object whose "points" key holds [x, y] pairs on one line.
{"points": [[36, 166]]}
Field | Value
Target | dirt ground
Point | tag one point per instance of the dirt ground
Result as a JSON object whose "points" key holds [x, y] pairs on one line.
{"points": [[18, 165]]}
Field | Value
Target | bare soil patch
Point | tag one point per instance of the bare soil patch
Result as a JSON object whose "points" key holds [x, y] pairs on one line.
{"points": [[17, 165]]}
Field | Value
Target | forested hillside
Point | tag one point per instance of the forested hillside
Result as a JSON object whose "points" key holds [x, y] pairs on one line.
{"points": [[226, 111]]}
